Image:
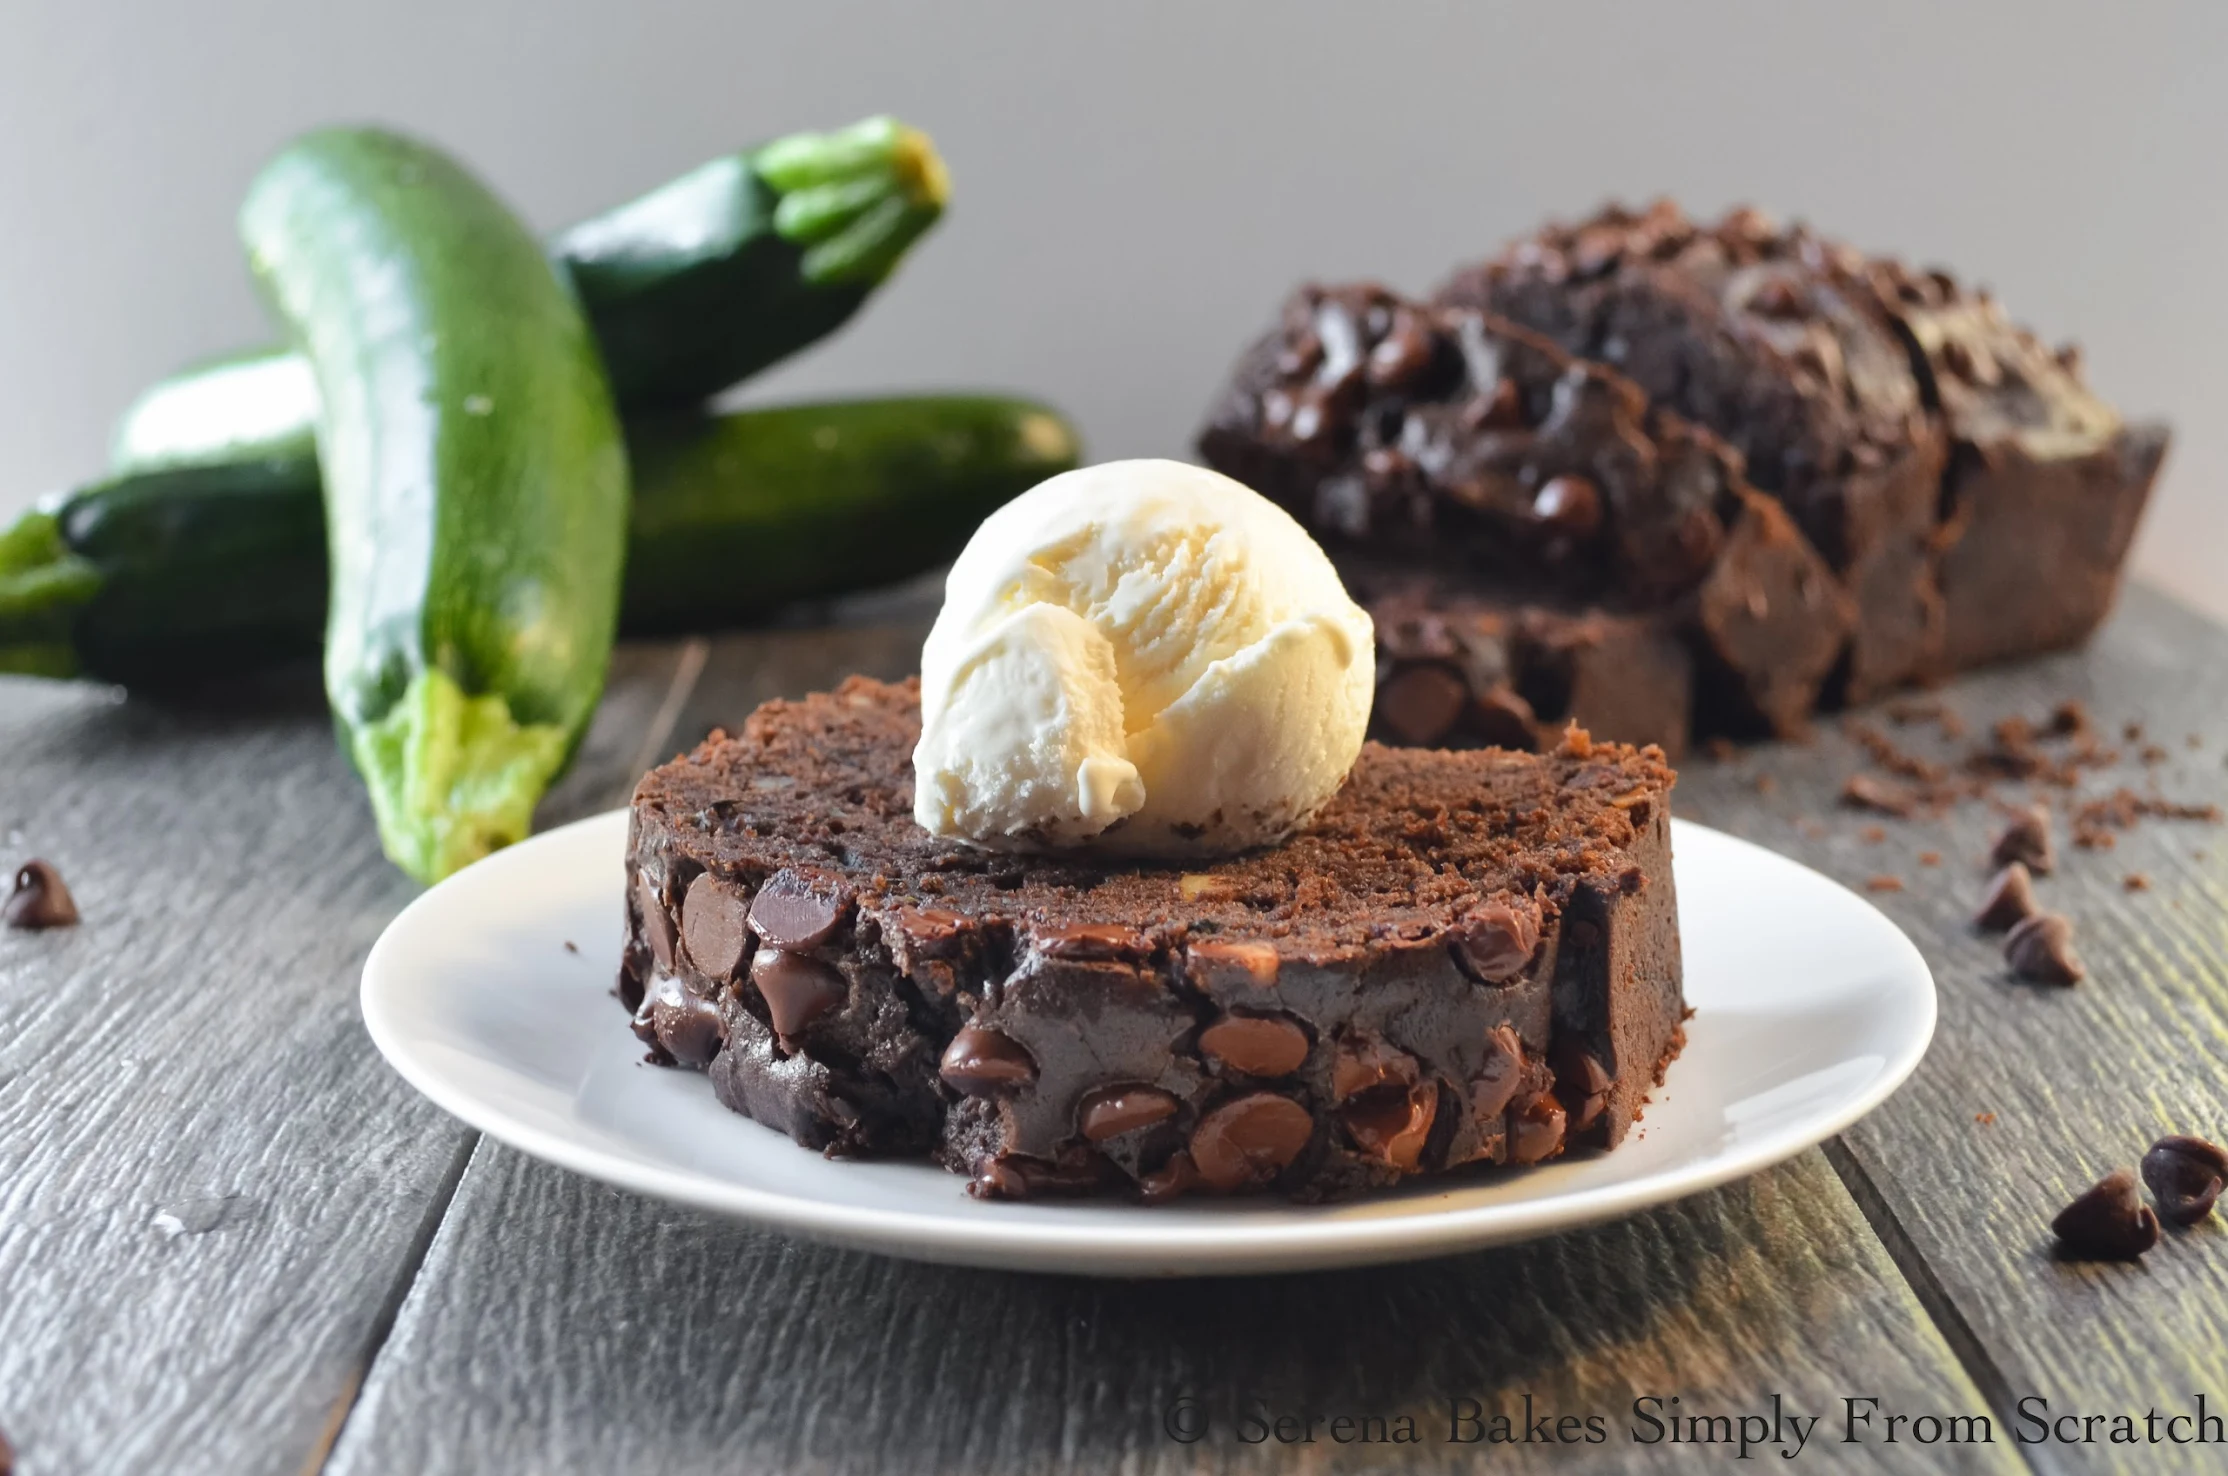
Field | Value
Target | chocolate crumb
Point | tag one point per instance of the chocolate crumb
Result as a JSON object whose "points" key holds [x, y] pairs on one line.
{"points": [[2132, 733], [2185, 1176], [2040, 948], [1930, 858], [2069, 717], [1766, 784], [40, 900], [2027, 839], [1871, 792], [1985, 1119], [2009, 900], [2151, 753], [571, 947], [1883, 883], [2136, 881], [2107, 1221], [1872, 835]]}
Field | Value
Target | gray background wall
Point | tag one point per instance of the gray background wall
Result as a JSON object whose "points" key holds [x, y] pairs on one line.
{"points": [[1137, 184]]}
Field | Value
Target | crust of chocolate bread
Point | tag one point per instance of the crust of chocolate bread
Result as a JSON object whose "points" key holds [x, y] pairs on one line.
{"points": [[1467, 958]]}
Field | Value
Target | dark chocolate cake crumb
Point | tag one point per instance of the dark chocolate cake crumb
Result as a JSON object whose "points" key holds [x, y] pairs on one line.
{"points": [[1871, 792], [40, 900], [2027, 839], [2107, 1222], [2135, 881], [1883, 883], [2040, 948], [2094, 821], [1930, 858], [2009, 900], [2185, 1175]]}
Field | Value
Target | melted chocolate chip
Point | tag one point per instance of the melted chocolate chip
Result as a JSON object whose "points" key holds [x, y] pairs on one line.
{"points": [[2041, 948], [1245, 1141], [798, 912], [2010, 899], [1364, 1062], [657, 926], [1112, 1111], [932, 932], [687, 1025], [1536, 1131], [715, 925], [2107, 1221], [1503, 1072], [1100, 941], [1211, 964], [980, 1061], [40, 899], [1258, 1045], [2185, 1175], [1393, 1126], [797, 990], [2026, 839], [1497, 940], [1171, 1180]]}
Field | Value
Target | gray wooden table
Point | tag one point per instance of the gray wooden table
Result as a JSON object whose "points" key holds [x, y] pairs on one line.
{"points": [[231, 1240]]}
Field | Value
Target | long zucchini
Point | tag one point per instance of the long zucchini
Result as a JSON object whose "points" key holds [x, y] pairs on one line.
{"points": [[475, 483], [172, 578], [698, 284]]}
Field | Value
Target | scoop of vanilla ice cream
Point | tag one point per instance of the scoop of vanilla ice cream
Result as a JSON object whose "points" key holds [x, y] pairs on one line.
{"points": [[1145, 657]]}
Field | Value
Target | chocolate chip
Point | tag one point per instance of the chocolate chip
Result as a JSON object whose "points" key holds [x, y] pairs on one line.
{"points": [[2010, 898], [2107, 1221], [715, 925], [1362, 1062], [1392, 1125], [1570, 506], [1171, 1180], [1017, 1176], [1099, 941], [797, 990], [1503, 719], [1248, 1139], [2185, 1176], [1211, 964], [1536, 1132], [1402, 356], [1258, 1045], [2041, 948], [686, 1024], [1579, 1071], [1587, 1111], [1495, 942], [1112, 1111], [2026, 839], [1503, 1072], [932, 932], [40, 899], [981, 1060], [798, 912], [657, 927], [1419, 704]]}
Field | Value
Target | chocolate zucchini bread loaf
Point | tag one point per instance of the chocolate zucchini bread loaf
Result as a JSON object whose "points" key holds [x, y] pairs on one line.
{"points": [[1465, 958], [1598, 556]]}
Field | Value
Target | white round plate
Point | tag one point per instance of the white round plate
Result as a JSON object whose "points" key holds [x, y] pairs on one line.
{"points": [[1809, 1008]]}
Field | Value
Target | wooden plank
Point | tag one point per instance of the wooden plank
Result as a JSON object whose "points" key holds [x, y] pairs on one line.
{"points": [[211, 1188], [560, 1326], [2030, 1093]]}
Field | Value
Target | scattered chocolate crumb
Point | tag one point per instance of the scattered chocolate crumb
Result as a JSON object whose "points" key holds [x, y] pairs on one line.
{"points": [[40, 900], [1888, 756], [2069, 717], [1871, 792], [1883, 883], [2194, 741], [2095, 820], [1766, 784], [2152, 754], [1811, 826], [1721, 749], [2107, 1221], [1872, 835], [2136, 881], [2040, 948], [1930, 858], [2009, 900], [1985, 1119], [2185, 1176], [571, 947], [2027, 839], [2132, 733]]}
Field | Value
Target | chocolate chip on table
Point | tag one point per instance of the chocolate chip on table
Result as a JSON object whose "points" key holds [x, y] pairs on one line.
{"points": [[2041, 948], [1112, 1111], [40, 900], [797, 989], [1258, 1045], [1497, 940], [1246, 1140], [2027, 839], [2010, 899], [2107, 1221], [981, 1060], [715, 925], [2185, 1176], [798, 912]]}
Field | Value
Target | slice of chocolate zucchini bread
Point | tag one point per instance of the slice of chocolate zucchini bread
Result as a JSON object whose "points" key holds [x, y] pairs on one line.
{"points": [[1518, 483], [1465, 958]]}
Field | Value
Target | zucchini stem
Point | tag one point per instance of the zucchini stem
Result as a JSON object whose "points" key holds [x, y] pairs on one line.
{"points": [[42, 587], [855, 198]]}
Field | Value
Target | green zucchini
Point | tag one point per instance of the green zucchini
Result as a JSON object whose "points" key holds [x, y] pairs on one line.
{"points": [[174, 578], [475, 483], [698, 284]]}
